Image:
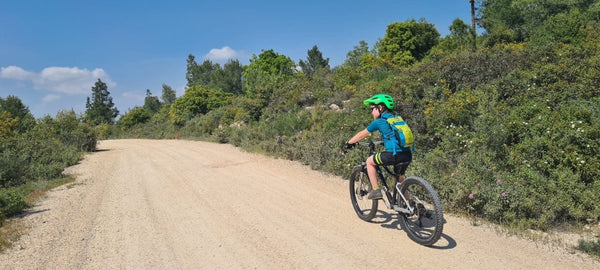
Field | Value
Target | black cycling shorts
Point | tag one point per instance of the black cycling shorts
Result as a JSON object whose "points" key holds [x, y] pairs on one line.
{"points": [[388, 159]]}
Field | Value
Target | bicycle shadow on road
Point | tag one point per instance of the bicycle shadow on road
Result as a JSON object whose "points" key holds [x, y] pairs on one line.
{"points": [[392, 221], [26, 213]]}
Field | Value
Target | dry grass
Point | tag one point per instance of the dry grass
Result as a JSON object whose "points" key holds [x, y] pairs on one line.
{"points": [[9, 233], [38, 191]]}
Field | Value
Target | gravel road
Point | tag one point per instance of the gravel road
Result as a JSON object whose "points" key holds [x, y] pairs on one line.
{"points": [[146, 204]]}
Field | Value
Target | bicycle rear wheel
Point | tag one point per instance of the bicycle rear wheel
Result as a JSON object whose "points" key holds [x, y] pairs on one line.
{"points": [[425, 225], [359, 187]]}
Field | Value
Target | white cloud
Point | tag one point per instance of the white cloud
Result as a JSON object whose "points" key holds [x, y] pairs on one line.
{"points": [[16, 73], [70, 80], [224, 53], [50, 98], [59, 79]]}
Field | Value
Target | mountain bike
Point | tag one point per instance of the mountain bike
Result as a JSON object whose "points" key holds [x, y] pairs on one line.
{"points": [[417, 203]]}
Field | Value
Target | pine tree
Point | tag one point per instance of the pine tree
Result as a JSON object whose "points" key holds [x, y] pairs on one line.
{"points": [[168, 95], [100, 108], [314, 61], [354, 57], [151, 103], [190, 74]]}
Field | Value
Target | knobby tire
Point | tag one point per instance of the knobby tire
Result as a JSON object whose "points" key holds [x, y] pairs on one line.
{"points": [[359, 187], [426, 225]]}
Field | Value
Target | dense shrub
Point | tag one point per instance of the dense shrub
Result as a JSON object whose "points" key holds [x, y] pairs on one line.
{"points": [[138, 115], [35, 156], [197, 100], [38, 154], [11, 202]]}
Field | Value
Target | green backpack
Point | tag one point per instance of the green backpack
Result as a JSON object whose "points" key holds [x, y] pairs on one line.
{"points": [[404, 135]]}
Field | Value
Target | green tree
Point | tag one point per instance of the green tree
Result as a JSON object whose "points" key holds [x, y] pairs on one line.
{"points": [[68, 128], [354, 57], [501, 21], [232, 77], [168, 94], [460, 31], [207, 71], [563, 27], [137, 115], [100, 108], [203, 74], [19, 112], [228, 79], [517, 20], [7, 124], [265, 73], [190, 74], [272, 63], [197, 100], [151, 103], [407, 42], [314, 62], [460, 38]]}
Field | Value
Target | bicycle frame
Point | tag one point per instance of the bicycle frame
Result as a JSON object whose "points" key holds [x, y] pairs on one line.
{"points": [[414, 199], [391, 202]]}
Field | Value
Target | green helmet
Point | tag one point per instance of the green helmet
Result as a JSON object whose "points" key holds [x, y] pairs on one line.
{"points": [[380, 98]]}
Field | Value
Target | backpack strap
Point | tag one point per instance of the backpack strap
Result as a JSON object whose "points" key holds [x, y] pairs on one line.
{"points": [[395, 135]]}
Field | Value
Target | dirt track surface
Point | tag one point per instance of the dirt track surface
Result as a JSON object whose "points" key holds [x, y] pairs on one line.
{"points": [[142, 204]]}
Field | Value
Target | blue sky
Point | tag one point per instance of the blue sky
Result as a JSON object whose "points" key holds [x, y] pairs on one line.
{"points": [[52, 52]]}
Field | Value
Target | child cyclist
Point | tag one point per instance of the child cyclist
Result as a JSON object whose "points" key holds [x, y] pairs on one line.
{"points": [[380, 107]]}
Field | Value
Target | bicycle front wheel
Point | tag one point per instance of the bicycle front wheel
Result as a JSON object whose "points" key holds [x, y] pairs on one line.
{"points": [[426, 223], [359, 187]]}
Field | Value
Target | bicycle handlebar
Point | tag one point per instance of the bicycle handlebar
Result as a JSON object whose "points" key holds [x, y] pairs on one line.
{"points": [[369, 143]]}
